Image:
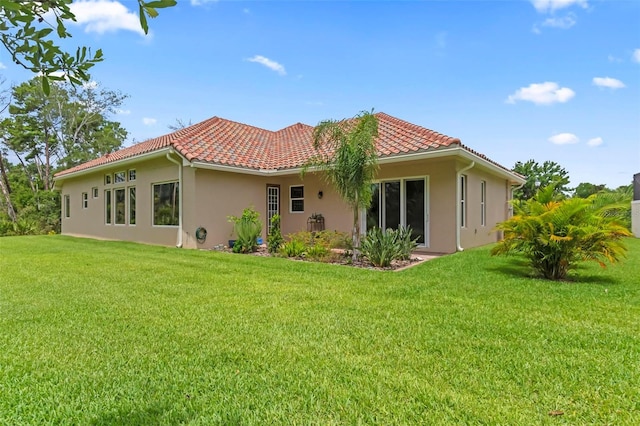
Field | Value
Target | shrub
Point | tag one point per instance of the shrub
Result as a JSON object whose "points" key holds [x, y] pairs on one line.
{"points": [[406, 244], [381, 247], [317, 252], [555, 235], [274, 239], [293, 248], [247, 229], [333, 239]]}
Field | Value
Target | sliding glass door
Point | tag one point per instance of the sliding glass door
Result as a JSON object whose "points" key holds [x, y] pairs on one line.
{"points": [[400, 202]]}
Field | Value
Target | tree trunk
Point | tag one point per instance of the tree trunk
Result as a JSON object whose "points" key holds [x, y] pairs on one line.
{"points": [[5, 188]]}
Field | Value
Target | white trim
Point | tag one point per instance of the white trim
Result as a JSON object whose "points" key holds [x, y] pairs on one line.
{"points": [[458, 206], [403, 206], [296, 199], [153, 225], [483, 203], [118, 163]]}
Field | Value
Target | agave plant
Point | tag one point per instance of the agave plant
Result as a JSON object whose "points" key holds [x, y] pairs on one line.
{"points": [[554, 235]]}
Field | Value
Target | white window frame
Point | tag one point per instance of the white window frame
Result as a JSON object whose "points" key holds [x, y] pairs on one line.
{"points": [[463, 201], [108, 215], [131, 172], [67, 206], [291, 200], [119, 177], [128, 202], [108, 179], [153, 216], [85, 200], [94, 192], [483, 203], [114, 203], [403, 207]]}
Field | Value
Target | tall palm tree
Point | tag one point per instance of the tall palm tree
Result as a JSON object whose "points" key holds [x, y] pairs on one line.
{"points": [[346, 153]]}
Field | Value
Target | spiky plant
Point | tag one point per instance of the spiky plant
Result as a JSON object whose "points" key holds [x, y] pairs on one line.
{"points": [[555, 235]]}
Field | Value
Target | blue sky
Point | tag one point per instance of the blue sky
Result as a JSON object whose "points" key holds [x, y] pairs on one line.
{"points": [[516, 80]]}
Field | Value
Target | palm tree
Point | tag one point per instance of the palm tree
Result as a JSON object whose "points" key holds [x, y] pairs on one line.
{"points": [[346, 153], [556, 234]]}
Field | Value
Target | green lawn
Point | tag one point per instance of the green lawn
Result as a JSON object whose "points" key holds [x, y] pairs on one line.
{"points": [[96, 332]]}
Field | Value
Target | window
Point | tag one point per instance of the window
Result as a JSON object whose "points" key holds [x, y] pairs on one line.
{"points": [[132, 205], [483, 203], [107, 207], [94, 192], [107, 179], [85, 200], [118, 177], [132, 175], [119, 196], [463, 201], [296, 195], [166, 204], [67, 206]]}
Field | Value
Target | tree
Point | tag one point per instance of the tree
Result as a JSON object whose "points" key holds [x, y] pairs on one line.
{"points": [[26, 33], [585, 189], [66, 127], [540, 176], [554, 235], [346, 153]]}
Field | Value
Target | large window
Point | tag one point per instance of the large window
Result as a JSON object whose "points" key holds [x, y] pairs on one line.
{"points": [[166, 204], [401, 202], [119, 196], [132, 205], [296, 195], [463, 201], [107, 207], [483, 203]]}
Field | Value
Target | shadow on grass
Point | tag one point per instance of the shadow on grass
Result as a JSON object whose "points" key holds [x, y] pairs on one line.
{"points": [[150, 415], [519, 268]]}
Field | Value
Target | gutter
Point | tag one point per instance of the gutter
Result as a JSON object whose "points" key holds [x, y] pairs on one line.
{"points": [[458, 209], [181, 196]]}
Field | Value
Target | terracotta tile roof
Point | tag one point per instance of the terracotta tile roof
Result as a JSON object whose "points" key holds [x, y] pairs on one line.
{"points": [[225, 142]]}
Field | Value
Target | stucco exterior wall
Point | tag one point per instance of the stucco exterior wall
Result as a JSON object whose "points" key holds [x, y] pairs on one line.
{"points": [[210, 196], [498, 192], [90, 222], [635, 218]]}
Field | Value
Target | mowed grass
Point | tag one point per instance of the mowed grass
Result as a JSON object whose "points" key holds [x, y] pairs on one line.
{"points": [[96, 332]]}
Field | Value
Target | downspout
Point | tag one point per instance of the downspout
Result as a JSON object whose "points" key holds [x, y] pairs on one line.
{"points": [[458, 209], [181, 195]]}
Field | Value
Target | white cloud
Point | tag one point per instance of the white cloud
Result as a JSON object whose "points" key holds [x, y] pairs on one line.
{"points": [[550, 6], [564, 23], [201, 2], [595, 141], [90, 85], [2, 66], [123, 111], [612, 58], [272, 65], [246, 11], [636, 56], [611, 83], [149, 121], [542, 94], [102, 16], [564, 139]]}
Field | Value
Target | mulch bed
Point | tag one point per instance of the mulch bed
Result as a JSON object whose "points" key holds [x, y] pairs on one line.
{"points": [[340, 259]]}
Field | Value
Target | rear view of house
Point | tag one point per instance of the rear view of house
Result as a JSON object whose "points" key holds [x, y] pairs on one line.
{"points": [[163, 190]]}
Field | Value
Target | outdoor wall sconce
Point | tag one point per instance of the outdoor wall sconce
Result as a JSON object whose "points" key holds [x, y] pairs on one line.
{"points": [[320, 195]]}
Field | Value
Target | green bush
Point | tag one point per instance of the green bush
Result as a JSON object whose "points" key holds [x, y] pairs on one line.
{"points": [[554, 235], [293, 248], [381, 247], [247, 228], [406, 244], [274, 239], [317, 252]]}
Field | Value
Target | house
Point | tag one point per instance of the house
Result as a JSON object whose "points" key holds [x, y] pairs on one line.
{"points": [[163, 190]]}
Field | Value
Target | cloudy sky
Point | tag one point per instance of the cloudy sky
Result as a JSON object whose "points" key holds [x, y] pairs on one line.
{"points": [[516, 80]]}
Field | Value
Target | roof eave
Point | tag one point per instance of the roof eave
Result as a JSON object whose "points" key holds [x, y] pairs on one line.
{"points": [[123, 162], [454, 151]]}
